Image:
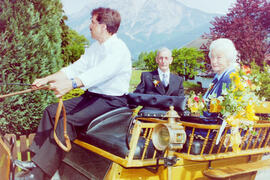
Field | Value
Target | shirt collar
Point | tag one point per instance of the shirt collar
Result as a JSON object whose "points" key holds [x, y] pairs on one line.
{"points": [[218, 76], [109, 40], [161, 72]]}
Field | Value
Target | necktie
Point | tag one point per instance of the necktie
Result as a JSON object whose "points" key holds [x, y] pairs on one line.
{"points": [[165, 80]]}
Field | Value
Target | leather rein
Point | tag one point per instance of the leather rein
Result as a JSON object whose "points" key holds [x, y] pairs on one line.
{"points": [[57, 116]]}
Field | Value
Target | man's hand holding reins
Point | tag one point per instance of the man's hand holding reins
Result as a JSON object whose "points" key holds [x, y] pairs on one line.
{"points": [[58, 82]]}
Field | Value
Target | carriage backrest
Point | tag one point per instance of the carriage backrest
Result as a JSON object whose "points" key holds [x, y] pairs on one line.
{"points": [[156, 105], [159, 101], [120, 116]]}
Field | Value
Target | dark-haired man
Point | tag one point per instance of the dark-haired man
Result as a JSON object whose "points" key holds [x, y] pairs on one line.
{"points": [[104, 71]]}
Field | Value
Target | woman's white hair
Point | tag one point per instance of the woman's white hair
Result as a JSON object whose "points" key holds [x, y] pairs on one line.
{"points": [[227, 47]]}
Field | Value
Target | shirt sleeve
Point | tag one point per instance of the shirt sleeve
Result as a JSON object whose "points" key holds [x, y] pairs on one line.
{"points": [[78, 66], [105, 69]]}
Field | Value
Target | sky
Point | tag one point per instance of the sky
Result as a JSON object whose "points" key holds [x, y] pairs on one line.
{"points": [[210, 6]]}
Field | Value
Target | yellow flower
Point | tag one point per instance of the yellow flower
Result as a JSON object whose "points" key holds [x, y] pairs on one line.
{"points": [[215, 105], [237, 81], [232, 75], [251, 112], [194, 109]]}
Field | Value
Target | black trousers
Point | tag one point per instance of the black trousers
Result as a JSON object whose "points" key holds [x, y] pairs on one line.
{"points": [[80, 112]]}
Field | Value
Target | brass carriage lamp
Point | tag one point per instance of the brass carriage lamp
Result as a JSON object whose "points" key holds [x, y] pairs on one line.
{"points": [[169, 135]]}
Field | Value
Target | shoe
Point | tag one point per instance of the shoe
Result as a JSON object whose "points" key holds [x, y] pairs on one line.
{"points": [[24, 165], [34, 174], [26, 175]]}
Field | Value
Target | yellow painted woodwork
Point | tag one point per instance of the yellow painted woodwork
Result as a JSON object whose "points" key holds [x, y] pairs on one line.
{"points": [[4, 160], [186, 170], [264, 108], [238, 169]]}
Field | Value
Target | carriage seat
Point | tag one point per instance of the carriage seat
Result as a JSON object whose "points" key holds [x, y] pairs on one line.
{"points": [[108, 132]]}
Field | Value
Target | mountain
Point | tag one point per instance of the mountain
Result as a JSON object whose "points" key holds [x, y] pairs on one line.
{"points": [[148, 24]]}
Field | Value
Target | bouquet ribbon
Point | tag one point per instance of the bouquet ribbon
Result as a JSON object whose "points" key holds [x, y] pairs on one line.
{"points": [[222, 127]]}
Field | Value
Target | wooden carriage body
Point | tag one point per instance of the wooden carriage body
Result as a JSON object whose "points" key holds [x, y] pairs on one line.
{"points": [[130, 153], [119, 145]]}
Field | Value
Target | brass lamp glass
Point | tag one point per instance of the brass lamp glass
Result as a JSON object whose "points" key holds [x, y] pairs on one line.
{"points": [[161, 137]]}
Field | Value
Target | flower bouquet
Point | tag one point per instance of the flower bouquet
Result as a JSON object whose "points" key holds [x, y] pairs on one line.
{"points": [[196, 104], [237, 104]]}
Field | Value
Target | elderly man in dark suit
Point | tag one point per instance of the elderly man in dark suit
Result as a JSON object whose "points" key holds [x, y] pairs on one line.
{"points": [[161, 81]]}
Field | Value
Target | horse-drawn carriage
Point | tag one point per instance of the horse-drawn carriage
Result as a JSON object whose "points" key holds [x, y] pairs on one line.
{"points": [[156, 144]]}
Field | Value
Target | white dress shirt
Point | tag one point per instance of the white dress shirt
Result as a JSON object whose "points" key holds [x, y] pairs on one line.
{"points": [[104, 68], [161, 75]]}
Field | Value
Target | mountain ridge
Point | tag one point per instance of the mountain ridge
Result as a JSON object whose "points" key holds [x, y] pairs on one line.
{"points": [[148, 25]]}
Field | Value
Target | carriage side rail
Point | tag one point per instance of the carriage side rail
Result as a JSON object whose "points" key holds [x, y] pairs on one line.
{"points": [[251, 144]]}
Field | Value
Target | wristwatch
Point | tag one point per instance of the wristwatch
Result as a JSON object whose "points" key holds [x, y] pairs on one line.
{"points": [[74, 84]]}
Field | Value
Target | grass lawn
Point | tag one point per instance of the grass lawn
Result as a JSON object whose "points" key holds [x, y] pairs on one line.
{"points": [[136, 78], [134, 81]]}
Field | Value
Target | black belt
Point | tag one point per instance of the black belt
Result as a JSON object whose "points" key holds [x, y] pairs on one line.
{"points": [[104, 96]]}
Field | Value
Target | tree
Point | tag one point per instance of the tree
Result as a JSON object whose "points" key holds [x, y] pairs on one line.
{"points": [[140, 63], [30, 48], [247, 25], [186, 61], [150, 62], [73, 44]]}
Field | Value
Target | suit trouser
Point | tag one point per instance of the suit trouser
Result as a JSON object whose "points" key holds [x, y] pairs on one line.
{"points": [[80, 111]]}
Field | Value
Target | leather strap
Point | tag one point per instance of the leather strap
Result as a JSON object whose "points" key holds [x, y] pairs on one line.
{"points": [[67, 140], [58, 111]]}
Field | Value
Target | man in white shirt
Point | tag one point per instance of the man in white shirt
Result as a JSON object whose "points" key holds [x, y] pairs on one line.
{"points": [[104, 71]]}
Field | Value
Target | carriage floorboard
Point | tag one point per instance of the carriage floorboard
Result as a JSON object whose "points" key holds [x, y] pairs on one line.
{"points": [[234, 170]]}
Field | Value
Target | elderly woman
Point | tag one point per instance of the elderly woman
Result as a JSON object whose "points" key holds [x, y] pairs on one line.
{"points": [[223, 55]]}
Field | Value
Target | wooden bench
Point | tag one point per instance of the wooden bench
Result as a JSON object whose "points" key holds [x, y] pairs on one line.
{"points": [[229, 172]]}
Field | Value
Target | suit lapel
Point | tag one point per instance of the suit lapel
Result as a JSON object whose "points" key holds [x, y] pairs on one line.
{"points": [[218, 86], [160, 88], [172, 82]]}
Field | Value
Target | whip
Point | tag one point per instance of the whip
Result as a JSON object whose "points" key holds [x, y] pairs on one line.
{"points": [[23, 91]]}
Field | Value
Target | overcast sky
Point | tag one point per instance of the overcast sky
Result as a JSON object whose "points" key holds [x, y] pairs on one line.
{"points": [[211, 6]]}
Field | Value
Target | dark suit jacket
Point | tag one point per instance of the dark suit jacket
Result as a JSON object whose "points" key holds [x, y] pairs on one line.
{"points": [[147, 86], [225, 79]]}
